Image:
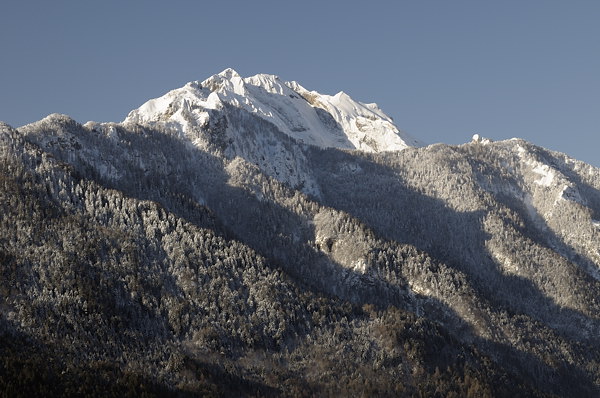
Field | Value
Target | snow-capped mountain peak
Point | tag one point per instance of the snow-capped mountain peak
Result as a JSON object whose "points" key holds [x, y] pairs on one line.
{"points": [[309, 117]]}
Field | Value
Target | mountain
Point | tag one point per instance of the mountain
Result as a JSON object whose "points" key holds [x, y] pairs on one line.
{"points": [[259, 109], [307, 116], [246, 236]]}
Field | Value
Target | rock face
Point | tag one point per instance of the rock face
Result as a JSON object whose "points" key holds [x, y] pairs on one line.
{"points": [[245, 236]]}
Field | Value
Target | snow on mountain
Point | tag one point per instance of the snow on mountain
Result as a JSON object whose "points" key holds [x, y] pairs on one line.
{"points": [[307, 116], [366, 126]]}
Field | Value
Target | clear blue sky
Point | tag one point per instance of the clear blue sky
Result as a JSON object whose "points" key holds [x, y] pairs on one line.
{"points": [[442, 69]]}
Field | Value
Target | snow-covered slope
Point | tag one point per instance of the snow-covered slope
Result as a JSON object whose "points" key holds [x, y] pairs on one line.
{"points": [[307, 116]]}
